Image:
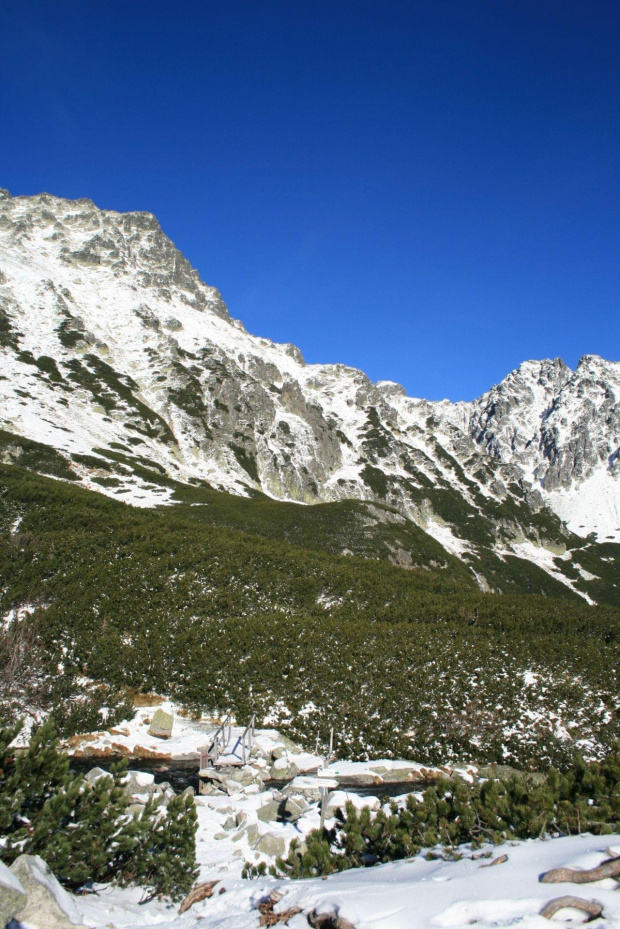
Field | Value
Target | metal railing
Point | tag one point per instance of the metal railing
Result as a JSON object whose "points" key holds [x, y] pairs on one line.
{"points": [[219, 742], [249, 734]]}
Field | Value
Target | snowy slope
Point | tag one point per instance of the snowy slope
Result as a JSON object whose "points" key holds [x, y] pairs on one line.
{"points": [[412, 894], [116, 354]]}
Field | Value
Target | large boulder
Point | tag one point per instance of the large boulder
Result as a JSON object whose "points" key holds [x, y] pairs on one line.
{"points": [[161, 724], [270, 812], [48, 906], [283, 769], [12, 895], [271, 845]]}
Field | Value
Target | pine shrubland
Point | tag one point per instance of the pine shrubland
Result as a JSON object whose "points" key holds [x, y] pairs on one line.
{"points": [[84, 830]]}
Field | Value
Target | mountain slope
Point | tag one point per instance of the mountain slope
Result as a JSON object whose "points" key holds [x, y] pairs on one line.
{"points": [[401, 663], [119, 359]]}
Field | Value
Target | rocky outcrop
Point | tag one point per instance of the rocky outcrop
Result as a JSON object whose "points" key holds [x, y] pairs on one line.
{"points": [[48, 905], [13, 895]]}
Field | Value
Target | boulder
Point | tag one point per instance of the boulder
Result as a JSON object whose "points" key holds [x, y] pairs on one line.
{"points": [[94, 774], [250, 832], [310, 788], [12, 895], [48, 906], [270, 812], [283, 769], [278, 752], [271, 845], [161, 724], [294, 809]]}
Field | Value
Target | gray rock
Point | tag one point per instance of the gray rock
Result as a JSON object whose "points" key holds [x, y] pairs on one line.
{"points": [[48, 906], [250, 832], [12, 895], [271, 845], [94, 774], [161, 725], [294, 808], [269, 812], [283, 770], [230, 823]]}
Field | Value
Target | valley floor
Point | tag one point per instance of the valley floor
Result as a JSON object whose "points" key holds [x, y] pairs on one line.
{"points": [[412, 894]]}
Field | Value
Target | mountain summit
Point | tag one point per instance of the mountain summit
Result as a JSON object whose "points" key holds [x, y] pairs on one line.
{"points": [[118, 357]]}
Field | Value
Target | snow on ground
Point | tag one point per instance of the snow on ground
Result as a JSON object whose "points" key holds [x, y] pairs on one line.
{"points": [[593, 506], [412, 894], [545, 559], [131, 737], [444, 535]]}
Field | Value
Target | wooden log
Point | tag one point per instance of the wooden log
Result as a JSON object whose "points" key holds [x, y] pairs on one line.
{"points": [[609, 868], [592, 908], [200, 892]]}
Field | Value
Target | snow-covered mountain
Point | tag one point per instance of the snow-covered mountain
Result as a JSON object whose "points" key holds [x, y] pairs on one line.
{"points": [[115, 353]]}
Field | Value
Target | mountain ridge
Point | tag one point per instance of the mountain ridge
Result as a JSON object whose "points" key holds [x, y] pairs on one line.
{"points": [[118, 356]]}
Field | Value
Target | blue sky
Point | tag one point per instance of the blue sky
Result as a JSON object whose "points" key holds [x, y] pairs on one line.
{"points": [[429, 191]]}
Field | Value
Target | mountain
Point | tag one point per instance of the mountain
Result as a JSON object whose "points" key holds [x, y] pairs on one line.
{"points": [[122, 370]]}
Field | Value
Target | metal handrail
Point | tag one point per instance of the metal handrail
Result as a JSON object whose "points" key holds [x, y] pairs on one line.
{"points": [[248, 729], [218, 742]]}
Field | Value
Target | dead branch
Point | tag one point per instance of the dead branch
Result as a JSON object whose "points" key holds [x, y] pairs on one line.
{"points": [[610, 868], [200, 892], [267, 915], [592, 907], [491, 864]]}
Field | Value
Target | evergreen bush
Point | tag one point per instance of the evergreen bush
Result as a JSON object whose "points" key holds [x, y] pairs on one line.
{"points": [[84, 830], [586, 798]]}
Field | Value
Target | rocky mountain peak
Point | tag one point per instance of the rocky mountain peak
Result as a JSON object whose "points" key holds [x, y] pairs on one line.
{"points": [[116, 354]]}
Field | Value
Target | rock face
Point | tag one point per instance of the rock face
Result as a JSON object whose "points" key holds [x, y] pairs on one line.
{"points": [[12, 895], [116, 354], [48, 905], [161, 726]]}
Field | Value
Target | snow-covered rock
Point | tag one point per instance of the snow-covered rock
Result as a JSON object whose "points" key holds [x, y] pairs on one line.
{"points": [[12, 894], [48, 906]]}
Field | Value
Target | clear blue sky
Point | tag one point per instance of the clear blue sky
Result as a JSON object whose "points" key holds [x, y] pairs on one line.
{"points": [[429, 191]]}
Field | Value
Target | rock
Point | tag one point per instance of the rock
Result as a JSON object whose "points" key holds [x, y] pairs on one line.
{"points": [[283, 769], [338, 801], [250, 832], [161, 725], [294, 809], [241, 817], [94, 774], [140, 783], [48, 906], [278, 752], [310, 788], [12, 895], [271, 845], [230, 823], [246, 776], [270, 812]]}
